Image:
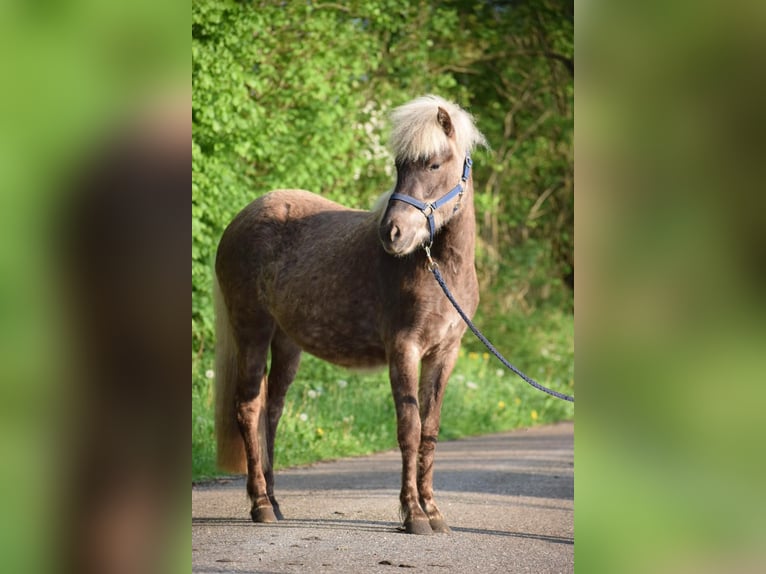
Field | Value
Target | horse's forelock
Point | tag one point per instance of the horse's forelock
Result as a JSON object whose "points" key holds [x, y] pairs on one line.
{"points": [[416, 132]]}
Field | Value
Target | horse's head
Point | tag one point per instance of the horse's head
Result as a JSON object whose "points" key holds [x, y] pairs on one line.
{"points": [[431, 139]]}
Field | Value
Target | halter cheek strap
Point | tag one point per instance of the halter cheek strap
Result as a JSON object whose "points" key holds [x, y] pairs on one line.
{"points": [[428, 209]]}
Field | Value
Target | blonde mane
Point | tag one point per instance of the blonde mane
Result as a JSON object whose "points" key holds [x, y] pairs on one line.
{"points": [[416, 132]]}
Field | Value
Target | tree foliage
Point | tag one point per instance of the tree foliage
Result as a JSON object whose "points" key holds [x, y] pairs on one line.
{"points": [[296, 94]]}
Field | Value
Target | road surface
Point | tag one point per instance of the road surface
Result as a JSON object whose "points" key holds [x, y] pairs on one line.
{"points": [[509, 499]]}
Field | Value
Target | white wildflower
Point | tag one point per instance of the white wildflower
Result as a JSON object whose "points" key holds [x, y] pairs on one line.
{"points": [[209, 374], [342, 384], [313, 394], [303, 416], [471, 385]]}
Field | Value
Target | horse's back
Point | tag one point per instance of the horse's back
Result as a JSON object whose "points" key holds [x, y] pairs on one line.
{"points": [[284, 205], [289, 212]]}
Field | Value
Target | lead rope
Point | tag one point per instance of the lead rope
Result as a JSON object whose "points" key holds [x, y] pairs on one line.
{"points": [[434, 268]]}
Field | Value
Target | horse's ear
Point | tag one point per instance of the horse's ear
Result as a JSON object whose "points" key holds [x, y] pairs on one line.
{"points": [[445, 122]]}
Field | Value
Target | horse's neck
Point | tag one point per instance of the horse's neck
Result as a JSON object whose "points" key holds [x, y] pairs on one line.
{"points": [[456, 242]]}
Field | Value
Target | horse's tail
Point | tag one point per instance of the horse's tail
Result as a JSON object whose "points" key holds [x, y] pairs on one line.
{"points": [[231, 447]]}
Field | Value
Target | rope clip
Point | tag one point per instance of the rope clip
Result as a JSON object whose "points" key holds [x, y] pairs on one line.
{"points": [[431, 263]]}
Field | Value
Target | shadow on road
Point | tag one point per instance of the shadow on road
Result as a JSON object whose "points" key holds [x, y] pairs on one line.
{"points": [[368, 526]]}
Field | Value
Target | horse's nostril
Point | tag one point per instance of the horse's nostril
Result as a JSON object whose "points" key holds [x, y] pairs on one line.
{"points": [[395, 233]]}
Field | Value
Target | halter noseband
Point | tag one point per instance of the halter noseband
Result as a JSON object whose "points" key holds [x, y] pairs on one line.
{"points": [[428, 209]]}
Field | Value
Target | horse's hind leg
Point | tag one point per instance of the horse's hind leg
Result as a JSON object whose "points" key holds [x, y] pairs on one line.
{"points": [[285, 359], [253, 344], [434, 374]]}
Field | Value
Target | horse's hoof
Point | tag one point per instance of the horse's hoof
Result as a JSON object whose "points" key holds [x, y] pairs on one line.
{"points": [[439, 526], [264, 514], [420, 526]]}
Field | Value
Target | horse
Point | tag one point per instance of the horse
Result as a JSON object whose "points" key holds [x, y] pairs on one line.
{"points": [[296, 272]]}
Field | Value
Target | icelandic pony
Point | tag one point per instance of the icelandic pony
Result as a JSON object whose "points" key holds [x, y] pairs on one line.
{"points": [[296, 272]]}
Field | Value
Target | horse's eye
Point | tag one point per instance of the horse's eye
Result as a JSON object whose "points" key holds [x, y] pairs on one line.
{"points": [[434, 166]]}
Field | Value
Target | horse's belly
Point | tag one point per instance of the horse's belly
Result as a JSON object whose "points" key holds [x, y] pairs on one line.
{"points": [[347, 345]]}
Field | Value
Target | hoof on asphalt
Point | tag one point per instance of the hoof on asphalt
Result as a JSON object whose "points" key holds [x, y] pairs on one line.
{"points": [[417, 527], [263, 514], [439, 526]]}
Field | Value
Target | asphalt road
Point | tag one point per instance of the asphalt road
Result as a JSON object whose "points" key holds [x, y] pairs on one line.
{"points": [[509, 499]]}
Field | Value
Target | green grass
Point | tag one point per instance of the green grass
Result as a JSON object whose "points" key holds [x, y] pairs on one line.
{"points": [[331, 413]]}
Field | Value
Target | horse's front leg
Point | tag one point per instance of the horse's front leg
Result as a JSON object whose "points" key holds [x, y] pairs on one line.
{"points": [[434, 374], [403, 369]]}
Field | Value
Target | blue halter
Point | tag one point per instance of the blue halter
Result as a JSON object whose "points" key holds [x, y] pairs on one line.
{"points": [[428, 209]]}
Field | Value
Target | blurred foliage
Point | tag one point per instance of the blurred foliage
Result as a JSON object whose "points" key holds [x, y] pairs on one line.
{"points": [[671, 246], [296, 95]]}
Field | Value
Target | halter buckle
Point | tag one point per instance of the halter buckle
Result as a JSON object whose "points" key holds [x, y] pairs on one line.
{"points": [[467, 168]]}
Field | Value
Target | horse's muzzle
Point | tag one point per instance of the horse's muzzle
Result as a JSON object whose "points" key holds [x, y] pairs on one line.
{"points": [[398, 237], [391, 238]]}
